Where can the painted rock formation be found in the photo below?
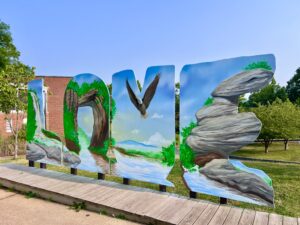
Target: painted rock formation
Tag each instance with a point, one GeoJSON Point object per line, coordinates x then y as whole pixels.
{"type": "Point", "coordinates": [221, 130]}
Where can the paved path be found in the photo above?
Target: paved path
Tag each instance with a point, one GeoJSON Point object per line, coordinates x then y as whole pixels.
{"type": "Point", "coordinates": [16, 209]}
{"type": "Point", "coordinates": [134, 203]}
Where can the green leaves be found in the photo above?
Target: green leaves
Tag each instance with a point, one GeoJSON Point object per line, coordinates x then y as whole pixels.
{"type": "Point", "coordinates": [8, 51]}
{"type": "Point", "coordinates": [279, 120]}
{"type": "Point", "coordinates": [293, 88]}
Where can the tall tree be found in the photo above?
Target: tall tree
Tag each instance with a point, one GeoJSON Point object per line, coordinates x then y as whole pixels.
{"type": "Point", "coordinates": [8, 51]}
{"type": "Point", "coordinates": [14, 77]}
{"type": "Point", "coordinates": [293, 87]}
{"type": "Point", "coordinates": [279, 120]}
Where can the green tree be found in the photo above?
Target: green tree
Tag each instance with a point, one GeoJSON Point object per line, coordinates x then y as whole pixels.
{"type": "Point", "coordinates": [266, 95]}
{"type": "Point", "coordinates": [8, 51]}
{"type": "Point", "coordinates": [293, 87]}
{"type": "Point", "coordinates": [14, 77]}
{"type": "Point", "coordinates": [279, 120]}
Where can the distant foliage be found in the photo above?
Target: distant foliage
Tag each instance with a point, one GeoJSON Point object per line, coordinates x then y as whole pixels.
{"type": "Point", "coordinates": [266, 95]}
{"type": "Point", "coordinates": [293, 88]}
{"type": "Point", "coordinates": [187, 156]}
{"type": "Point", "coordinates": [8, 51]}
{"type": "Point", "coordinates": [279, 120]}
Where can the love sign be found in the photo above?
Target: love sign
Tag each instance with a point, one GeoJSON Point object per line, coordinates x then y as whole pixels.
{"type": "Point", "coordinates": [130, 133]}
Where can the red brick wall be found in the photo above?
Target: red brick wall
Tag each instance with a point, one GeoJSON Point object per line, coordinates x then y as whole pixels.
{"type": "Point", "coordinates": [55, 97]}
{"type": "Point", "coordinates": [56, 89]}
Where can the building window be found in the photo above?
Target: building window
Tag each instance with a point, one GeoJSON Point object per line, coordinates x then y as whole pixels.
{"type": "Point", "coordinates": [8, 126]}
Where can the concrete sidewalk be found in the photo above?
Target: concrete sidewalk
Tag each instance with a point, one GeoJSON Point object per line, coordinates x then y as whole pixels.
{"type": "Point", "coordinates": [16, 209]}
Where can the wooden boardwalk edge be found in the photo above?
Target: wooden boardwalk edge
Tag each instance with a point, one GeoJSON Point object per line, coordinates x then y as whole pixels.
{"type": "Point", "coordinates": [133, 203]}
{"type": "Point", "coordinates": [69, 200]}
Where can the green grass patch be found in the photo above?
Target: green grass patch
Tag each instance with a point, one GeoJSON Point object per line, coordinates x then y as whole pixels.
{"type": "Point", "coordinates": [276, 152]}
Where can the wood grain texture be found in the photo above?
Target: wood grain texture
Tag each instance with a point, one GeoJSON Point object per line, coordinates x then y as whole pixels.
{"type": "Point", "coordinates": [275, 219]}
{"type": "Point", "coordinates": [261, 218]}
{"type": "Point", "coordinates": [234, 216]}
{"type": "Point", "coordinates": [138, 204]}
{"type": "Point", "coordinates": [247, 217]}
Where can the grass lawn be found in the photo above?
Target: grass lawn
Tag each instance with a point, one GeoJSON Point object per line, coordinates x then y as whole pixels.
{"type": "Point", "coordinates": [276, 152]}
{"type": "Point", "coordinates": [286, 182]}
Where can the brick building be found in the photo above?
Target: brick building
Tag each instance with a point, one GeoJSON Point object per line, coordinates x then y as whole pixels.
{"type": "Point", "coordinates": [55, 87]}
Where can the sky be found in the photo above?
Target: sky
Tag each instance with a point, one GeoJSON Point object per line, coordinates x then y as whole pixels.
{"type": "Point", "coordinates": [158, 128]}
{"type": "Point", "coordinates": [198, 81]}
{"type": "Point", "coordinates": [69, 37]}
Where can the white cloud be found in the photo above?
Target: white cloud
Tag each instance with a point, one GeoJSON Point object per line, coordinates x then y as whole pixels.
{"type": "Point", "coordinates": [157, 116]}
{"type": "Point", "coordinates": [158, 140]}
{"type": "Point", "coordinates": [135, 131]}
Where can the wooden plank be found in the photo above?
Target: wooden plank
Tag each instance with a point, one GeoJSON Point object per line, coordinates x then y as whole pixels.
{"type": "Point", "coordinates": [177, 211]}
{"type": "Point", "coordinates": [275, 219]}
{"type": "Point", "coordinates": [12, 174]}
{"type": "Point", "coordinates": [194, 214]}
{"type": "Point", "coordinates": [132, 201]}
{"type": "Point", "coordinates": [234, 216]}
{"type": "Point", "coordinates": [99, 195]}
{"type": "Point", "coordinates": [166, 203]}
{"type": "Point", "coordinates": [247, 217]}
{"type": "Point", "coordinates": [112, 195]}
{"type": "Point", "coordinates": [155, 203]}
{"type": "Point", "coordinates": [207, 215]}
{"type": "Point", "coordinates": [220, 215]}
{"type": "Point", "coordinates": [118, 197]}
{"type": "Point", "coordinates": [289, 220]}
{"type": "Point", "coordinates": [261, 218]}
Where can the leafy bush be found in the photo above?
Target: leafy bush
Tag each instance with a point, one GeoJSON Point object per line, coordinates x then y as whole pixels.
{"type": "Point", "coordinates": [187, 156]}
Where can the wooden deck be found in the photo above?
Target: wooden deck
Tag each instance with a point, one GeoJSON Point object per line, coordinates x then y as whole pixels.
{"type": "Point", "coordinates": [136, 204]}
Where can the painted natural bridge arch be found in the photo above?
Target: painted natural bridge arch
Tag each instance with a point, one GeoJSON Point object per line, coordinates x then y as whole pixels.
{"type": "Point", "coordinates": [87, 90]}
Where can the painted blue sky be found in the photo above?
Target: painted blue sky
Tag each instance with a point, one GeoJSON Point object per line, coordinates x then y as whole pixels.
{"type": "Point", "coordinates": [37, 87]}
{"type": "Point", "coordinates": [197, 81]}
{"type": "Point", "coordinates": [103, 37]}
{"type": "Point", "coordinates": [159, 126]}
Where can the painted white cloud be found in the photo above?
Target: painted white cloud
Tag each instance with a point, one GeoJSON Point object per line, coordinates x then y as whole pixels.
{"type": "Point", "coordinates": [158, 140]}
{"type": "Point", "coordinates": [135, 131]}
{"type": "Point", "coordinates": [157, 116]}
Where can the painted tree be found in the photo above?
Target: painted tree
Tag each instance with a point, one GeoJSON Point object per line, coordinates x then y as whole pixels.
{"type": "Point", "coordinates": [293, 87]}
{"type": "Point", "coordinates": [279, 120]}
{"type": "Point", "coordinates": [14, 76]}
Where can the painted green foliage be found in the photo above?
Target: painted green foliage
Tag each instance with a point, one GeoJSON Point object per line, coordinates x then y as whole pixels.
{"type": "Point", "coordinates": [70, 130]}
{"type": "Point", "coordinates": [166, 156]}
{"type": "Point", "coordinates": [31, 122]}
{"type": "Point", "coordinates": [258, 65]}
{"type": "Point", "coordinates": [186, 153]}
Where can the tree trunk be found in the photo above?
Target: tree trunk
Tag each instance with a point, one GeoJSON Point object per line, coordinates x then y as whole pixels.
{"type": "Point", "coordinates": [267, 143]}
{"type": "Point", "coordinates": [16, 135]}
{"type": "Point", "coordinates": [286, 144]}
